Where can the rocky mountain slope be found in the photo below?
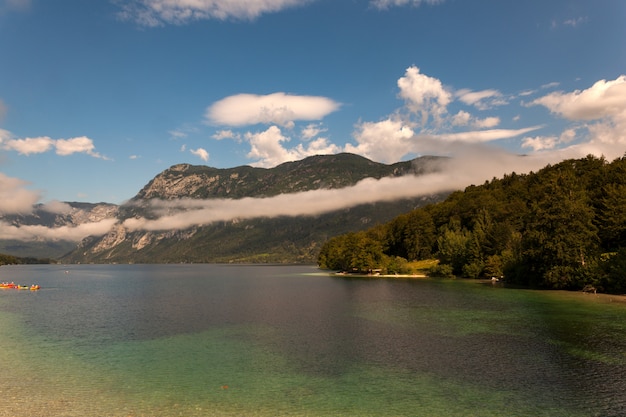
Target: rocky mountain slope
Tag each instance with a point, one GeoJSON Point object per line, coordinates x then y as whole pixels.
{"type": "Point", "coordinates": [70, 214]}
{"type": "Point", "coordinates": [261, 239]}
{"type": "Point", "coordinates": [316, 172]}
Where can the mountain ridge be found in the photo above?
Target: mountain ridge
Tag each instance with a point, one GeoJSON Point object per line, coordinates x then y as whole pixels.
{"type": "Point", "coordinates": [280, 239]}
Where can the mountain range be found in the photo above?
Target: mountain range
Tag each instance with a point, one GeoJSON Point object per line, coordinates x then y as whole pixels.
{"type": "Point", "coordinates": [268, 238]}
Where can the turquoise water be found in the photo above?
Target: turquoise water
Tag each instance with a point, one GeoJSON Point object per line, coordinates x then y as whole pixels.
{"type": "Point", "coordinates": [226, 340]}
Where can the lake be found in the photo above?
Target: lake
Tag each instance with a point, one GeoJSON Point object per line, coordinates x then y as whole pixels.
{"type": "Point", "coordinates": [233, 340]}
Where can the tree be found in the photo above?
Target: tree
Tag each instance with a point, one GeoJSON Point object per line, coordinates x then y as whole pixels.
{"type": "Point", "coordinates": [611, 219]}
{"type": "Point", "coordinates": [352, 252]}
{"type": "Point", "coordinates": [365, 253]}
{"type": "Point", "coordinates": [611, 272]}
{"type": "Point", "coordinates": [559, 235]}
{"type": "Point", "coordinates": [452, 245]}
{"type": "Point", "coordinates": [421, 233]}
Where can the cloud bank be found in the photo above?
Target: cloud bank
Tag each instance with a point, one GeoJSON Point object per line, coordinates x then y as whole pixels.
{"type": "Point", "coordinates": [68, 233]}
{"type": "Point", "coordinates": [477, 164]}
{"type": "Point", "coordinates": [474, 164]}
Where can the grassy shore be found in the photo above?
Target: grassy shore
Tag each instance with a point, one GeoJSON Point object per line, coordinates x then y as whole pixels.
{"type": "Point", "coordinates": [416, 269]}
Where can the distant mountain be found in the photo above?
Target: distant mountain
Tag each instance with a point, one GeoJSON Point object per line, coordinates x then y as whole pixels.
{"type": "Point", "coordinates": [70, 214]}
{"type": "Point", "coordinates": [281, 239]}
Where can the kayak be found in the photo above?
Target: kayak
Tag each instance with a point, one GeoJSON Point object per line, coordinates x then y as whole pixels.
{"type": "Point", "coordinates": [12, 285]}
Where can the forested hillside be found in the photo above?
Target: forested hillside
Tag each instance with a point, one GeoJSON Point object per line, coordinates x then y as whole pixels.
{"type": "Point", "coordinates": [563, 227]}
{"type": "Point", "coordinates": [16, 260]}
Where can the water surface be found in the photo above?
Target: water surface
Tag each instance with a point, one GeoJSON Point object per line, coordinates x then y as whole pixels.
{"type": "Point", "coordinates": [226, 340]}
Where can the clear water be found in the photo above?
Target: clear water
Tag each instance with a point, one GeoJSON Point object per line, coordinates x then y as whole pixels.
{"type": "Point", "coordinates": [226, 340]}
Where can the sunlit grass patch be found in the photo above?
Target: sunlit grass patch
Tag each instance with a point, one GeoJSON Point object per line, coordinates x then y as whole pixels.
{"type": "Point", "coordinates": [422, 267]}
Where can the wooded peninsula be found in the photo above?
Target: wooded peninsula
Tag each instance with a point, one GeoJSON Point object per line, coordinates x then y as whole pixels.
{"type": "Point", "coordinates": [563, 227]}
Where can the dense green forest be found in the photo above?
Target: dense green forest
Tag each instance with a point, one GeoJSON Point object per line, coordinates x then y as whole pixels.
{"type": "Point", "coordinates": [563, 227]}
{"type": "Point", "coordinates": [16, 260]}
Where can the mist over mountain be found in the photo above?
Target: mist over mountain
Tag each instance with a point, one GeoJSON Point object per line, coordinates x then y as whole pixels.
{"type": "Point", "coordinates": [52, 230]}
{"type": "Point", "coordinates": [193, 213]}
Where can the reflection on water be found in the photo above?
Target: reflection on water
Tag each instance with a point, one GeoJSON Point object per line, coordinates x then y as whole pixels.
{"type": "Point", "coordinates": [170, 340]}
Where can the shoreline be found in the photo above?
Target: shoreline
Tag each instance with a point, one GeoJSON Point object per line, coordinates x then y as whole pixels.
{"type": "Point", "coordinates": [352, 274]}
{"type": "Point", "coordinates": [602, 297]}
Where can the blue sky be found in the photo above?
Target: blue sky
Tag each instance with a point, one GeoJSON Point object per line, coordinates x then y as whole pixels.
{"type": "Point", "coordinates": [97, 97]}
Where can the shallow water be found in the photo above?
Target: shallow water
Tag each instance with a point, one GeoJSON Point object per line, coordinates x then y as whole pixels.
{"type": "Point", "coordinates": [226, 340]}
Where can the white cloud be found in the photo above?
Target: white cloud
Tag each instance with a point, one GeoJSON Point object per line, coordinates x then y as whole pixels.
{"type": "Point", "coordinates": [183, 131]}
{"type": "Point", "coordinates": [29, 145]}
{"type": "Point", "coordinates": [385, 141]}
{"type": "Point", "coordinates": [385, 4]}
{"type": "Point", "coordinates": [57, 207]}
{"type": "Point", "coordinates": [399, 136]}
{"type": "Point", "coordinates": [81, 144]}
{"type": "Point", "coordinates": [553, 84]}
{"type": "Point", "coordinates": [482, 100]}
{"type": "Point", "coordinates": [4, 135]}
{"type": "Point", "coordinates": [603, 99]}
{"type": "Point", "coordinates": [277, 108]}
{"type": "Point", "coordinates": [602, 109]}
{"type": "Point", "coordinates": [539, 143]}
{"type": "Point", "coordinates": [472, 97]}
{"type": "Point", "coordinates": [390, 140]}
{"type": "Point", "coordinates": [575, 22]}
{"type": "Point", "coordinates": [267, 148]}
{"type": "Point", "coordinates": [423, 95]}
{"type": "Point", "coordinates": [178, 134]}
{"type": "Point", "coordinates": [312, 130]}
{"type": "Point", "coordinates": [14, 198]}
{"type": "Point", "coordinates": [160, 12]}
{"type": "Point", "coordinates": [200, 153]}
{"type": "Point", "coordinates": [226, 134]}
{"type": "Point", "coordinates": [479, 136]}
{"type": "Point", "coordinates": [319, 146]}
{"type": "Point", "coordinates": [463, 118]}
{"type": "Point", "coordinates": [64, 147]}
{"type": "Point", "coordinates": [487, 122]}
